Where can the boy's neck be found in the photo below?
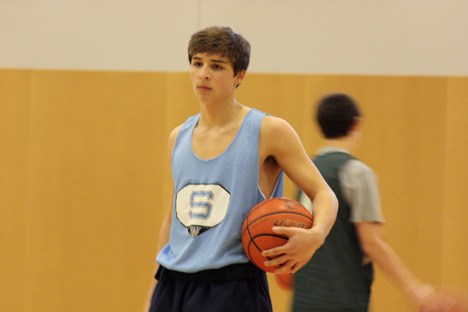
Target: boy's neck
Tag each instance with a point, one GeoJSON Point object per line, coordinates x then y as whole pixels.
{"type": "Point", "coordinates": [219, 115]}
{"type": "Point", "coordinates": [342, 143]}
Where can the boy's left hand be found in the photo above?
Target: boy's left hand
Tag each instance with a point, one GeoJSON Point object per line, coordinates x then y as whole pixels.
{"type": "Point", "coordinates": [301, 245]}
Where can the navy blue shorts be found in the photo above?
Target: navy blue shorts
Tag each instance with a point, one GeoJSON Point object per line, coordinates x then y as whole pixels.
{"type": "Point", "coordinates": [239, 287]}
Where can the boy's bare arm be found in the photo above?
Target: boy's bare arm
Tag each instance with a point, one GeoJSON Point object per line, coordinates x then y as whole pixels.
{"type": "Point", "coordinates": [283, 143]}
{"type": "Point", "coordinates": [162, 241]}
{"type": "Point", "coordinates": [165, 230]}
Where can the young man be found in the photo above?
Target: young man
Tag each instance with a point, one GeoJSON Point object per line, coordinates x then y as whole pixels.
{"type": "Point", "coordinates": [340, 275]}
{"type": "Point", "coordinates": [225, 160]}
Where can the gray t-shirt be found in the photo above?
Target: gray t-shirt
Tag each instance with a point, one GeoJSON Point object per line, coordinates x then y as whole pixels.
{"type": "Point", "coordinates": [359, 187]}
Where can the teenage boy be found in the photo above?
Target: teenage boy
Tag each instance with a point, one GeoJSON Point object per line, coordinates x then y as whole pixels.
{"type": "Point", "coordinates": [225, 160]}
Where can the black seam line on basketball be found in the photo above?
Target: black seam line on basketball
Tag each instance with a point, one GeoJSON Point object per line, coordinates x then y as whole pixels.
{"type": "Point", "coordinates": [252, 241]}
{"type": "Point", "coordinates": [273, 213]}
{"type": "Point", "coordinates": [270, 235]}
{"type": "Point", "coordinates": [250, 257]}
{"type": "Point", "coordinates": [248, 230]}
{"type": "Point", "coordinates": [258, 248]}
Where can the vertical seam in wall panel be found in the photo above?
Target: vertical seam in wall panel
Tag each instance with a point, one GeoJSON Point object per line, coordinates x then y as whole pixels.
{"type": "Point", "coordinates": [27, 200]}
{"type": "Point", "coordinates": [445, 181]}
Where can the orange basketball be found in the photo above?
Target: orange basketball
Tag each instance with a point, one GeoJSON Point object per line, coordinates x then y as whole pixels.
{"type": "Point", "coordinates": [257, 229]}
{"type": "Point", "coordinates": [285, 281]}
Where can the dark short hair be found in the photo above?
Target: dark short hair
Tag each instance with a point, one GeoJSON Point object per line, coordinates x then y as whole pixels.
{"type": "Point", "coordinates": [223, 41]}
{"type": "Point", "coordinates": [336, 113]}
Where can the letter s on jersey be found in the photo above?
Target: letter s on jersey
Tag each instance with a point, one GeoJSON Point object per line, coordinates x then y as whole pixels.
{"type": "Point", "coordinates": [200, 207]}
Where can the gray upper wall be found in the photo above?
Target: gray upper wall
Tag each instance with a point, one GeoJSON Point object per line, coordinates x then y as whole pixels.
{"type": "Point", "coordinates": [381, 37]}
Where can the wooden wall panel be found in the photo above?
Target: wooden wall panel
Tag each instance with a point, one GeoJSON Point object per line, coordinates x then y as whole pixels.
{"type": "Point", "coordinates": [278, 95]}
{"type": "Point", "coordinates": [404, 139]}
{"type": "Point", "coordinates": [85, 176]}
{"type": "Point", "coordinates": [92, 187]}
{"type": "Point", "coordinates": [14, 131]}
{"type": "Point", "coordinates": [455, 213]}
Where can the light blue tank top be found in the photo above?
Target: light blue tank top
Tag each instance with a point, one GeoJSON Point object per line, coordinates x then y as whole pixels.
{"type": "Point", "coordinates": [212, 198]}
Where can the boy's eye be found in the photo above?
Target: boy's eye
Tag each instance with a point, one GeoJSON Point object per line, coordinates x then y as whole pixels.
{"type": "Point", "coordinates": [217, 67]}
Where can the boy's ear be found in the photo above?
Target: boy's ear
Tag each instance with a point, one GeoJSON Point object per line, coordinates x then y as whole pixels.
{"type": "Point", "coordinates": [240, 77]}
{"type": "Point", "coordinates": [357, 123]}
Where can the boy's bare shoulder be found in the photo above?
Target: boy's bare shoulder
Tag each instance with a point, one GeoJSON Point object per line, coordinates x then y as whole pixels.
{"type": "Point", "coordinates": [275, 125]}
{"type": "Point", "coordinates": [173, 135]}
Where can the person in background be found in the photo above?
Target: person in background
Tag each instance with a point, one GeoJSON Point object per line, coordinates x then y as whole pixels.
{"type": "Point", "coordinates": [340, 275]}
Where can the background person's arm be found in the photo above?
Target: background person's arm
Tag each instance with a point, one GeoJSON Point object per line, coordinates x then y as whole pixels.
{"type": "Point", "coordinates": [424, 296]}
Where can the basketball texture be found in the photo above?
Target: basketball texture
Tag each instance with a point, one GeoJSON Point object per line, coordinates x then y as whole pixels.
{"type": "Point", "coordinates": [257, 229]}
{"type": "Point", "coordinates": [285, 281]}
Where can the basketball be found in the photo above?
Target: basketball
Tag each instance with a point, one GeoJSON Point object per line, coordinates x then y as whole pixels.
{"type": "Point", "coordinates": [257, 229]}
{"type": "Point", "coordinates": [285, 281]}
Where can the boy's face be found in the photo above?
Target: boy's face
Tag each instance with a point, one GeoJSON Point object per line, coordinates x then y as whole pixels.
{"type": "Point", "coordinates": [213, 77]}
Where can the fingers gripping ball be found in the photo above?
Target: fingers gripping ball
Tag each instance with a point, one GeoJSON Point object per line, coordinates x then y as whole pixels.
{"type": "Point", "coordinates": [257, 229]}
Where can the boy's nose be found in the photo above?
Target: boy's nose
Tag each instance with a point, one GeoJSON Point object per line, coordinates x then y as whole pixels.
{"type": "Point", "coordinates": [204, 73]}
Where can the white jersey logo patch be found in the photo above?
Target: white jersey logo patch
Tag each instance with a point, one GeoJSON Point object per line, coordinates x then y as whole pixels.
{"type": "Point", "coordinates": [200, 207]}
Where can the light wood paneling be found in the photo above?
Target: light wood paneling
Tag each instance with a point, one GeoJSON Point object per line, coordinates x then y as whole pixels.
{"type": "Point", "coordinates": [92, 189]}
{"type": "Point", "coordinates": [85, 176]}
{"type": "Point", "coordinates": [14, 132]}
{"type": "Point", "coordinates": [279, 96]}
{"type": "Point", "coordinates": [455, 212]}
